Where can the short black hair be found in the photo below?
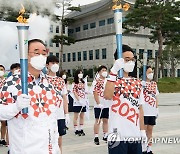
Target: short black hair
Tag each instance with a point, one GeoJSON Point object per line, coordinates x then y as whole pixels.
{"type": "Point", "coordinates": [15, 65]}
{"type": "Point", "coordinates": [35, 40]}
{"type": "Point", "coordinates": [148, 67]}
{"type": "Point", "coordinates": [2, 67]}
{"type": "Point", "coordinates": [52, 58]}
{"type": "Point", "coordinates": [124, 49]}
{"type": "Point", "coordinates": [101, 67]}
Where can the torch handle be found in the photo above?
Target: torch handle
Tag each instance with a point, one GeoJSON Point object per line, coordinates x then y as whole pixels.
{"type": "Point", "coordinates": [24, 82]}
{"type": "Point", "coordinates": [144, 65]}
{"type": "Point", "coordinates": [118, 28]}
{"type": "Point", "coordinates": [23, 49]}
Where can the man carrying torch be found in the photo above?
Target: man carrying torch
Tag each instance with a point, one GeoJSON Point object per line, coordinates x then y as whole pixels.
{"type": "Point", "coordinates": [126, 123]}
{"type": "Point", "coordinates": [35, 131]}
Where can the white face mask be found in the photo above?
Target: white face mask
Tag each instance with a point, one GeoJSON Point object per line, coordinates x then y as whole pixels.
{"type": "Point", "coordinates": [54, 68]}
{"type": "Point", "coordinates": [104, 74]}
{"type": "Point", "coordinates": [150, 76]}
{"type": "Point", "coordinates": [1, 73]}
{"type": "Point", "coordinates": [16, 71]}
{"type": "Point", "coordinates": [38, 62]}
{"type": "Point", "coordinates": [80, 75]}
{"type": "Point", "coordinates": [129, 66]}
{"type": "Point", "coordinates": [64, 76]}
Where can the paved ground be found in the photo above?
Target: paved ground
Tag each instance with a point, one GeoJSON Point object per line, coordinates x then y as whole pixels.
{"type": "Point", "coordinates": [168, 125]}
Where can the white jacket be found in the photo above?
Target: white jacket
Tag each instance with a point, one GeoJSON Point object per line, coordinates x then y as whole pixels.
{"type": "Point", "coordinates": [37, 133]}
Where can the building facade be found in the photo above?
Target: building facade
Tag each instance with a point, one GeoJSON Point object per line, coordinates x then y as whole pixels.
{"type": "Point", "coordinates": [94, 31]}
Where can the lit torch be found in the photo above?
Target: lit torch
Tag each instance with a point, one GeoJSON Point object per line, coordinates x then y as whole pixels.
{"type": "Point", "coordinates": [118, 8]}
{"type": "Point", "coordinates": [23, 48]}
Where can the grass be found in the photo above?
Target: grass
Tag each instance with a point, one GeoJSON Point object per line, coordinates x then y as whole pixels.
{"type": "Point", "coordinates": [169, 85]}
{"type": "Point", "coordinates": [165, 85]}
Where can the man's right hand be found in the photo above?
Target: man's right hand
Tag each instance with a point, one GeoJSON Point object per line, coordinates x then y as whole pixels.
{"type": "Point", "coordinates": [119, 64]}
{"type": "Point", "coordinates": [23, 101]}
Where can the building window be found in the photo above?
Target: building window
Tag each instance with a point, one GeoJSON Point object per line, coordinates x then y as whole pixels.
{"type": "Point", "coordinates": [50, 43]}
{"type": "Point", "coordinates": [90, 54]}
{"type": "Point", "coordinates": [78, 29]}
{"type": "Point", "coordinates": [141, 51]}
{"type": "Point", "coordinates": [51, 53]}
{"type": "Point", "coordinates": [84, 55]}
{"type": "Point", "coordinates": [74, 56]}
{"type": "Point", "coordinates": [51, 29]}
{"type": "Point", "coordinates": [44, 43]}
{"type": "Point", "coordinates": [85, 27]}
{"type": "Point", "coordinates": [149, 52]}
{"type": "Point", "coordinates": [73, 72]}
{"type": "Point", "coordinates": [85, 72]}
{"type": "Point", "coordinates": [69, 57]}
{"type": "Point", "coordinates": [97, 53]}
{"type": "Point", "coordinates": [104, 53]}
{"type": "Point", "coordinates": [57, 29]}
{"type": "Point", "coordinates": [57, 45]}
{"type": "Point", "coordinates": [165, 72]}
{"type": "Point", "coordinates": [79, 56]}
{"type": "Point", "coordinates": [134, 51]}
{"type": "Point", "coordinates": [70, 31]}
{"type": "Point", "coordinates": [90, 73]}
{"type": "Point", "coordinates": [110, 20]}
{"type": "Point", "coordinates": [92, 25]}
{"type": "Point", "coordinates": [64, 57]}
{"type": "Point", "coordinates": [156, 53]}
{"type": "Point", "coordinates": [102, 23]}
{"type": "Point", "coordinates": [57, 55]}
{"type": "Point", "coordinates": [69, 72]}
{"type": "Point", "coordinates": [178, 72]}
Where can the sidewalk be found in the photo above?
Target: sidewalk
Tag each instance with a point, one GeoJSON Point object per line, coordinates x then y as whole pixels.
{"type": "Point", "coordinates": [168, 125]}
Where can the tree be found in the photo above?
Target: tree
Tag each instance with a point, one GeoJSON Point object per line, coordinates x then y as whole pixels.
{"type": "Point", "coordinates": [171, 57]}
{"type": "Point", "coordinates": [62, 39]}
{"type": "Point", "coordinates": [158, 16]}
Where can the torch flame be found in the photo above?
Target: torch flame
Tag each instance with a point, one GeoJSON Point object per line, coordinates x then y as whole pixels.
{"type": "Point", "coordinates": [20, 18]}
{"type": "Point", "coordinates": [126, 7]}
{"type": "Point", "coordinates": [118, 5]}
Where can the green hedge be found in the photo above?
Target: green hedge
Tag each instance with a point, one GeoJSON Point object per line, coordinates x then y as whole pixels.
{"type": "Point", "coordinates": [169, 85]}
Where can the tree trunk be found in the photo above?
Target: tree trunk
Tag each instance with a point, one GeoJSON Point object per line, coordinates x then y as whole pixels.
{"type": "Point", "coordinates": [156, 69]}
{"type": "Point", "coordinates": [162, 67]}
{"type": "Point", "coordinates": [172, 63]}
{"type": "Point", "coordinates": [159, 55]}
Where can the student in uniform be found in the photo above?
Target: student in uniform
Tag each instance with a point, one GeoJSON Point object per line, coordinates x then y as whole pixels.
{"type": "Point", "coordinates": [150, 106]}
{"type": "Point", "coordinates": [79, 104]}
{"type": "Point", "coordinates": [101, 106]}
{"type": "Point", "coordinates": [126, 121]}
{"type": "Point", "coordinates": [52, 65]}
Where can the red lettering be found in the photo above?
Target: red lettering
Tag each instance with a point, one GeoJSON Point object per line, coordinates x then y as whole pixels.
{"type": "Point", "coordinates": [125, 110]}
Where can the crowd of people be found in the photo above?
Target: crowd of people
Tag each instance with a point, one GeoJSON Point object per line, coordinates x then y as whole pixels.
{"type": "Point", "coordinates": [127, 107]}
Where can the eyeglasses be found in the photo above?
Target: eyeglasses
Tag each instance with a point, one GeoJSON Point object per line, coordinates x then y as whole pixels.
{"type": "Point", "coordinates": [37, 53]}
{"type": "Point", "coordinates": [127, 59]}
